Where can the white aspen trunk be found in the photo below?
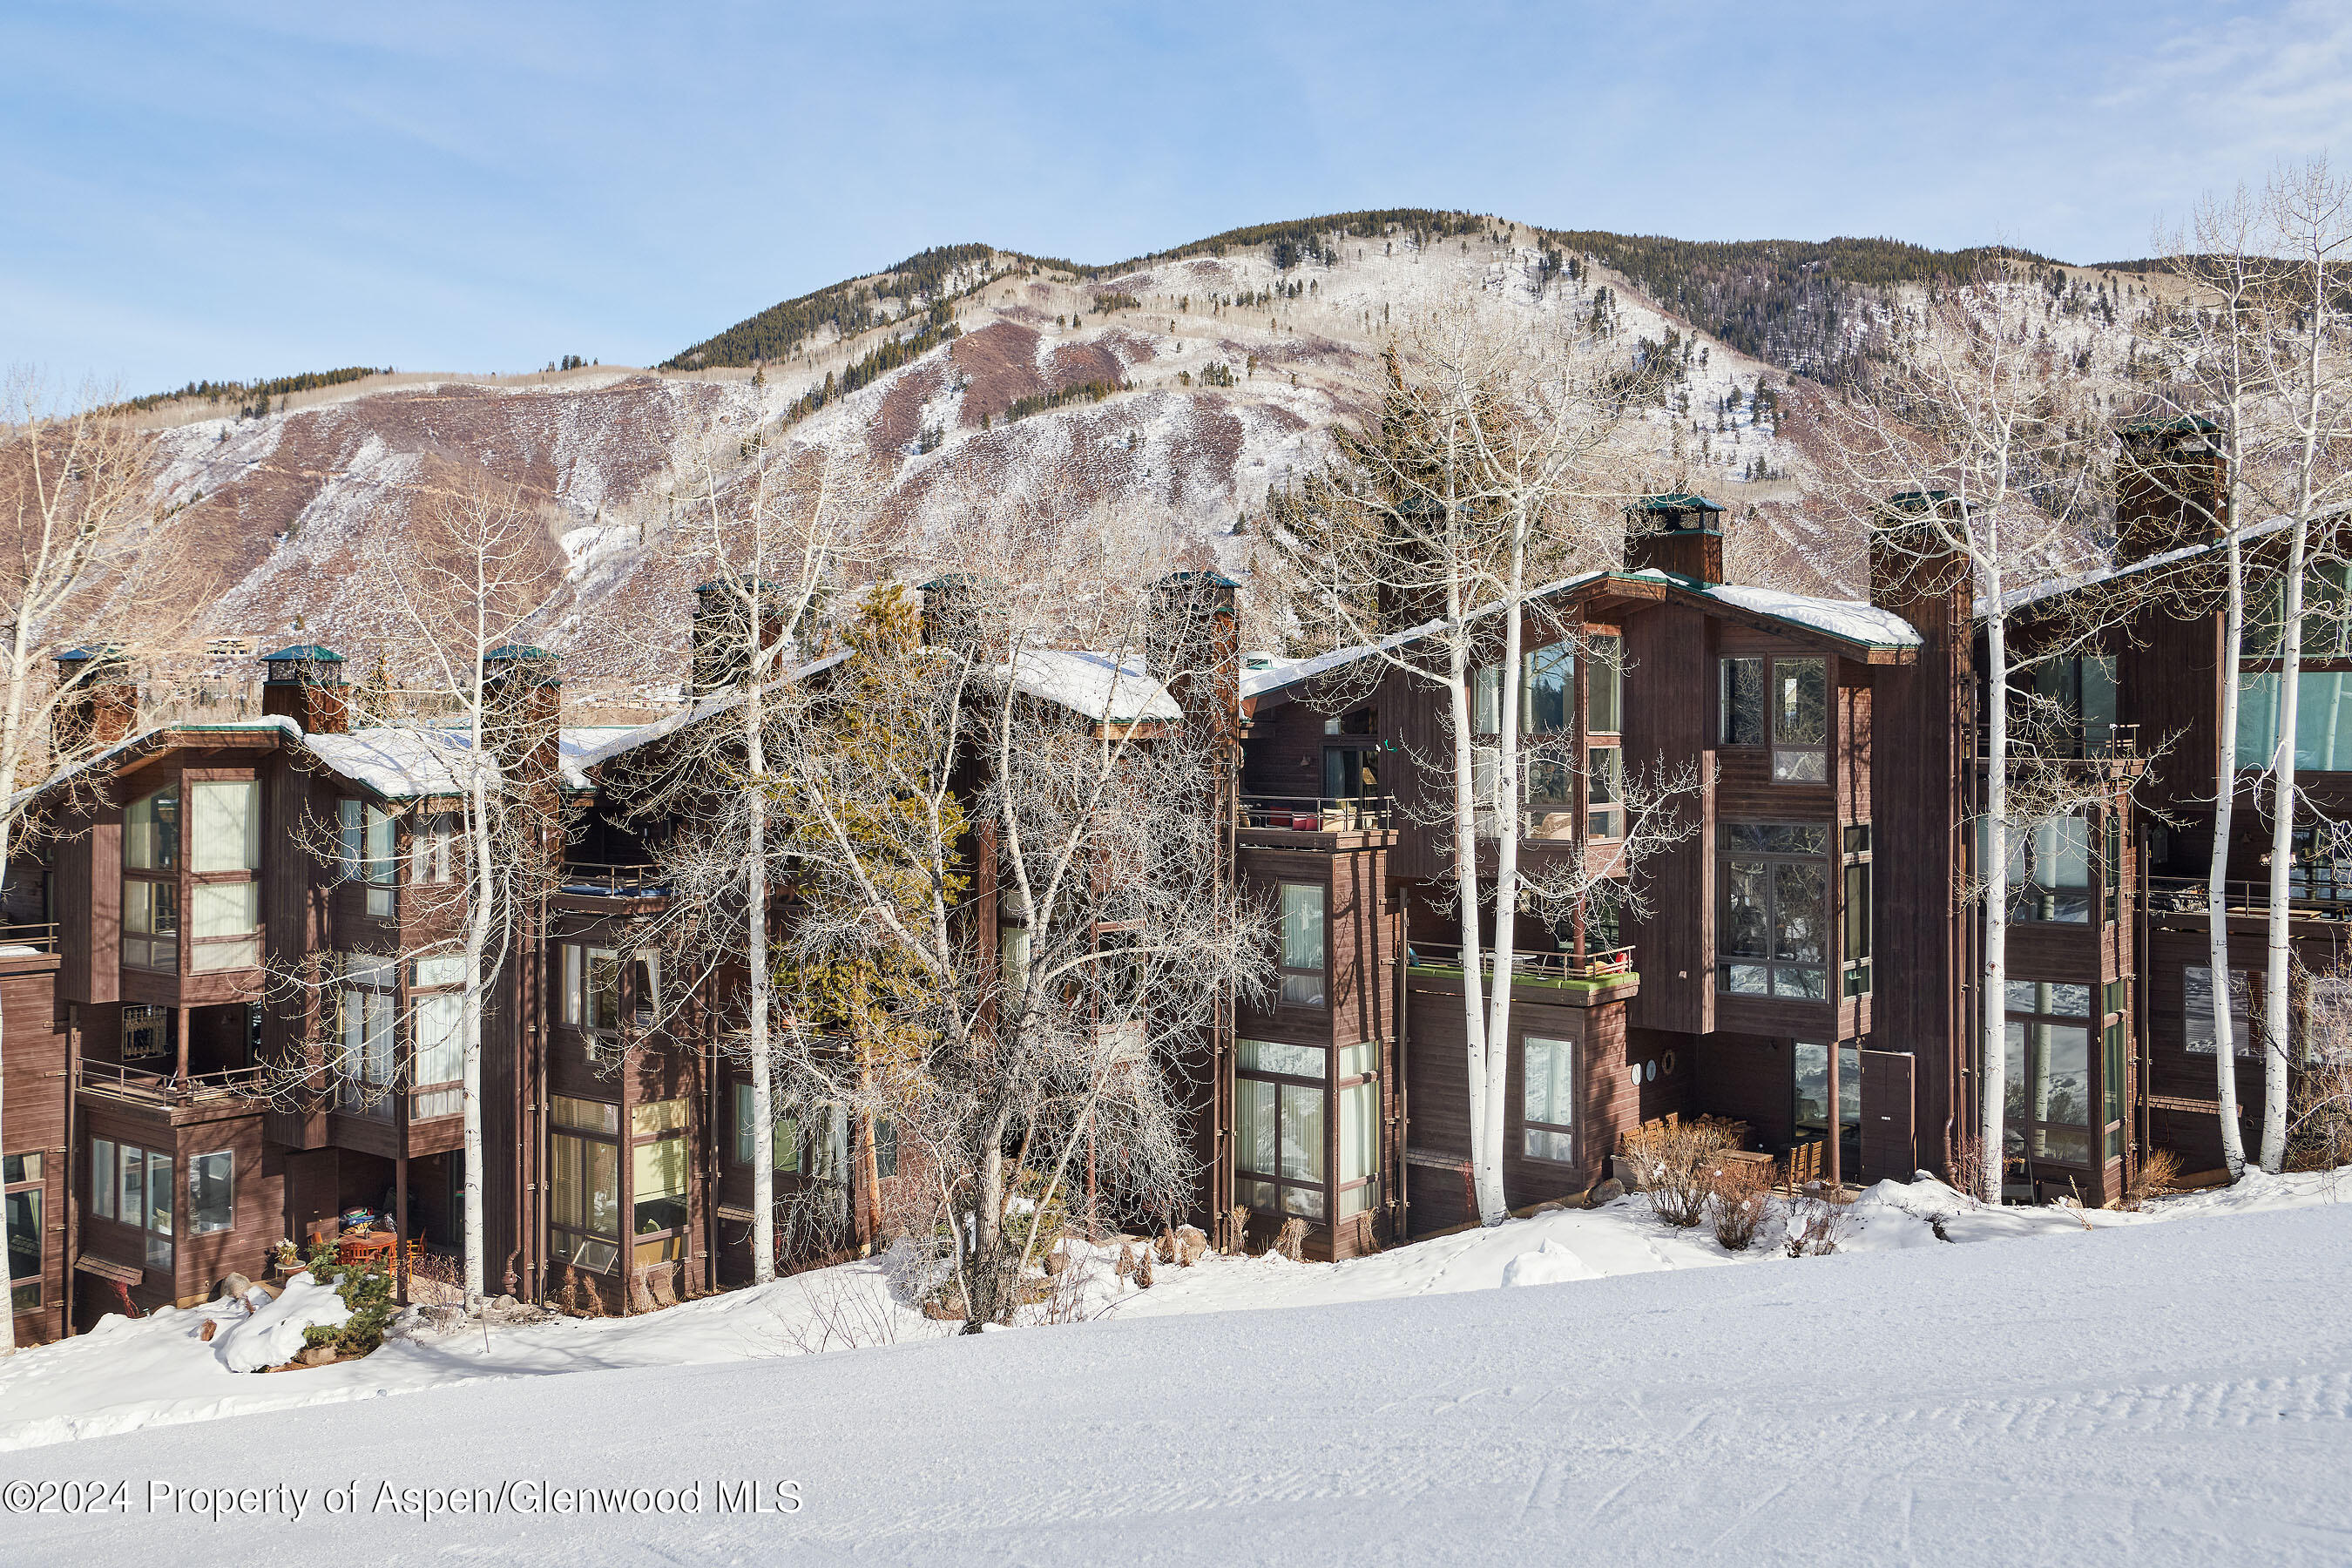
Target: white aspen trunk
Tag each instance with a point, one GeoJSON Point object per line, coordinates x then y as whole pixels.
{"type": "Point", "coordinates": [12, 732]}
{"type": "Point", "coordinates": [2277, 949]}
{"type": "Point", "coordinates": [1992, 1087]}
{"type": "Point", "coordinates": [2217, 914]}
{"type": "Point", "coordinates": [1494, 1203]}
{"type": "Point", "coordinates": [479, 914]}
{"type": "Point", "coordinates": [1465, 892]}
{"type": "Point", "coordinates": [755, 959]}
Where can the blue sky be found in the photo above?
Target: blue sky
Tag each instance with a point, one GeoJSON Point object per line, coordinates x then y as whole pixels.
{"type": "Point", "coordinates": [242, 190]}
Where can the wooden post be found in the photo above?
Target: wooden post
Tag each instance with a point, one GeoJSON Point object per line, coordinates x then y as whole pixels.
{"type": "Point", "coordinates": [182, 1063]}
{"type": "Point", "coordinates": [1837, 1126]}
{"type": "Point", "coordinates": [400, 1218]}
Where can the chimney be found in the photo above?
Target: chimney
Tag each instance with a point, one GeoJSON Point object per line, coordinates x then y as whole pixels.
{"type": "Point", "coordinates": [1674, 532]}
{"type": "Point", "coordinates": [965, 612]}
{"type": "Point", "coordinates": [2172, 487]}
{"type": "Point", "coordinates": [1909, 560]}
{"type": "Point", "coordinates": [305, 683]}
{"type": "Point", "coordinates": [100, 705]}
{"type": "Point", "coordinates": [523, 692]}
{"type": "Point", "coordinates": [1193, 645]}
{"type": "Point", "coordinates": [722, 639]}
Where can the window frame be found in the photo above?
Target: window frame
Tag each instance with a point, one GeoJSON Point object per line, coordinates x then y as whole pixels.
{"type": "Point", "coordinates": [1788, 756]}
{"type": "Point", "coordinates": [1294, 978]}
{"type": "Point", "coordinates": [1270, 1191]}
{"type": "Point", "coordinates": [195, 1162]}
{"type": "Point", "coordinates": [665, 1243]}
{"type": "Point", "coordinates": [160, 1251]}
{"type": "Point", "coordinates": [368, 836]}
{"type": "Point", "coordinates": [2029, 1136]}
{"type": "Point", "coordinates": [27, 1292]}
{"type": "Point", "coordinates": [1770, 860]}
{"type": "Point", "coordinates": [1531, 1130]}
{"type": "Point", "coordinates": [1857, 920]}
{"type": "Point", "coordinates": [161, 875]}
{"type": "Point", "coordinates": [578, 1244]}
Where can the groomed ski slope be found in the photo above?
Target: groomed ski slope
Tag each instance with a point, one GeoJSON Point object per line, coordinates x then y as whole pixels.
{"type": "Point", "coordinates": [2173, 1393]}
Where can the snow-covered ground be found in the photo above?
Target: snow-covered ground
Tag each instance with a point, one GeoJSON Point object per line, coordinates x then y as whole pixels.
{"type": "Point", "coordinates": [2156, 1389]}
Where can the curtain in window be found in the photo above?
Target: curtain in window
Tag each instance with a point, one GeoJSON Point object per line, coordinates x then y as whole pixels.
{"type": "Point", "coordinates": [2323, 721]}
{"type": "Point", "coordinates": [1254, 1129]}
{"type": "Point", "coordinates": [226, 819]}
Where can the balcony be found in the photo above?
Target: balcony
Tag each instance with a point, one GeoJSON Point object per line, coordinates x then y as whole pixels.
{"type": "Point", "coordinates": [1601, 974]}
{"type": "Point", "coordinates": [2314, 894]}
{"type": "Point", "coordinates": [599, 879]}
{"type": "Point", "coordinates": [1284, 814]}
{"type": "Point", "coordinates": [166, 1092]}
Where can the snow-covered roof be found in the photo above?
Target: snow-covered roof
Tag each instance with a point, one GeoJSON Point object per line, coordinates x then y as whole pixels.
{"type": "Point", "coordinates": [401, 763]}
{"type": "Point", "coordinates": [602, 745]}
{"type": "Point", "coordinates": [1849, 620]}
{"type": "Point", "coordinates": [1106, 690]}
{"type": "Point", "coordinates": [2056, 587]}
{"type": "Point", "coordinates": [98, 760]}
{"type": "Point", "coordinates": [1281, 672]}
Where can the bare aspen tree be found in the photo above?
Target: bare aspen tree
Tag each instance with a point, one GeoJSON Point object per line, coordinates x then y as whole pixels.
{"type": "Point", "coordinates": [465, 589]}
{"type": "Point", "coordinates": [992, 751]}
{"type": "Point", "coordinates": [776, 529]}
{"type": "Point", "coordinates": [78, 541]}
{"type": "Point", "coordinates": [1978, 421]}
{"type": "Point", "coordinates": [2310, 219]}
{"type": "Point", "coordinates": [1492, 471]}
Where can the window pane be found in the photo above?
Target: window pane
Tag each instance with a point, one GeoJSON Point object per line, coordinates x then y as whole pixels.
{"type": "Point", "coordinates": [1550, 1086]}
{"type": "Point", "coordinates": [225, 908]}
{"type": "Point", "coordinates": [101, 1178]}
{"type": "Point", "coordinates": [1801, 713]}
{"type": "Point", "coordinates": [16, 1168]}
{"type": "Point", "coordinates": [1811, 1060]}
{"type": "Point", "coordinates": [1254, 1118]}
{"type": "Point", "coordinates": [440, 1022]}
{"type": "Point", "coordinates": [1848, 1086]}
{"type": "Point", "coordinates": [1857, 912]}
{"type": "Point", "coordinates": [1259, 1195]}
{"type": "Point", "coordinates": [2014, 1096]}
{"type": "Point", "coordinates": [1306, 1201]}
{"type": "Point", "coordinates": [591, 1115]}
{"type": "Point", "coordinates": [1743, 702]}
{"type": "Point", "coordinates": [1804, 983]}
{"type": "Point", "coordinates": [24, 1233]}
{"type": "Point", "coordinates": [1548, 687]}
{"type": "Point", "coordinates": [1799, 767]}
{"type": "Point", "coordinates": [159, 1192]}
{"type": "Point", "coordinates": [442, 969]}
{"type": "Point", "coordinates": [211, 1206]}
{"type": "Point", "coordinates": [649, 1119]}
{"type": "Point", "coordinates": [151, 831]}
{"type": "Point", "coordinates": [1359, 1058]}
{"type": "Point", "coordinates": [380, 867]}
{"type": "Point", "coordinates": [1359, 1131]}
{"type": "Point", "coordinates": [1747, 927]}
{"type": "Point", "coordinates": [2114, 1072]}
{"type": "Point", "coordinates": [658, 1171]}
{"type": "Point", "coordinates": [216, 955]}
{"type": "Point", "coordinates": [1302, 1132]}
{"type": "Point", "coordinates": [571, 982]}
{"type": "Point", "coordinates": [1302, 926]}
{"type": "Point", "coordinates": [1743, 979]}
{"type": "Point", "coordinates": [2062, 1082]}
{"type": "Point", "coordinates": [1266, 1055]}
{"type": "Point", "coordinates": [1798, 909]}
{"type": "Point", "coordinates": [604, 996]}
{"type": "Point", "coordinates": [133, 1208]}
{"type": "Point", "coordinates": [1545, 1144]}
{"type": "Point", "coordinates": [227, 819]}
{"type": "Point", "coordinates": [1486, 700]}
{"type": "Point", "coordinates": [1602, 682]}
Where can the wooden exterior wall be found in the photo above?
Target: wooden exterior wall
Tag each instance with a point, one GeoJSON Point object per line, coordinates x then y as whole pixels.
{"type": "Point", "coordinates": [38, 1091]}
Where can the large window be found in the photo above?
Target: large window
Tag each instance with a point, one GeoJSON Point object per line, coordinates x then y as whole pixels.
{"type": "Point", "coordinates": [369, 856]}
{"type": "Point", "coordinates": [1303, 952]}
{"type": "Point", "coordinates": [434, 851]}
{"type": "Point", "coordinates": [1550, 1098]}
{"type": "Point", "coordinates": [439, 1022]}
{"type": "Point", "coordinates": [2197, 1009]}
{"type": "Point", "coordinates": [225, 896]}
{"type": "Point", "coordinates": [1784, 702]}
{"type": "Point", "coordinates": [604, 987]}
{"type": "Point", "coordinates": [132, 1186]}
{"type": "Point", "coordinates": [1604, 679]}
{"type": "Point", "coordinates": [2323, 721]}
{"type": "Point", "coordinates": [1358, 1092]}
{"type": "Point", "coordinates": [2075, 713]}
{"type": "Point", "coordinates": [1548, 692]}
{"type": "Point", "coordinates": [150, 881]}
{"type": "Point", "coordinates": [657, 1181]}
{"type": "Point", "coordinates": [584, 1211]}
{"type": "Point", "coordinates": [22, 1175]}
{"type": "Point", "coordinates": [212, 1193]}
{"type": "Point", "coordinates": [1278, 1107]}
{"type": "Point", "coordinates": [2049, 869]}
{"type": "Point", "coordinates": [1773, 937]}
{"type": "Point", "coordinates": [2046, 1109]}
{"type": "Point", "coordinates": [787, 1134]}
{"type": "Point", "coordinates": [367, 1007]}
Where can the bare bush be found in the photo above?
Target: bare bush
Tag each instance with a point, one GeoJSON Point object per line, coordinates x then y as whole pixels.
{"type": "Point", "coordinates": [1965, 1168]}
{"type": "Point", "coordinates": [1292, 1240]}
{"type": "Point", "coordinates": [1817, 1221]}
{"type": "Point", "coordinates": [1740, 1193]}
{"type": "Point", "coordinates": [1676, 1161]}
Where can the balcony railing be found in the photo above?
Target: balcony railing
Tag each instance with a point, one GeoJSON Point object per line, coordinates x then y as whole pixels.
{"type": "Point", "coordinates": [1316, 813]}
{"type": "Point", "coordinates": [1528, 966]}
{"type": "Point", "coordinates": [2319, 894]}
{"type": "Point", "coordinates": [137, 1086]}
{"type": "Point", "coordinates": [22, 941]}
{"type": "Point", "coordinates": [598, 879]}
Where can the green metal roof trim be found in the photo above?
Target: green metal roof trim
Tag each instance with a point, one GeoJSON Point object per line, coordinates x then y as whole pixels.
{"type": "Point", "coordinates": [2178, 424]}
{"type": "Point", "coordinates": [306, 653]}
{"type": "Point", "coordinates": [1674, 501]}
{"type": "Point", "coordinates": [516, 650]}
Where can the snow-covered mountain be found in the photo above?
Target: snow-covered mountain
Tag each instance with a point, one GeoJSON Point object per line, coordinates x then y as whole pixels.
{"type": "Point", "coordinates": [1180, 389]}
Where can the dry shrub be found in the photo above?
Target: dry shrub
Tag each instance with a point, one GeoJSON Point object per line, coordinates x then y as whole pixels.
{"type": "Point", "coordinates": [1291, 1241]}
{"type": "Point", "coordinates": [1676, 1161]}
{"type": "Point", "coordinates": [1817, 1221]}
{"type": "Point", "coordinates": [1966, 1170]}
{"type": "Point", "coordinates": [1740, 1190]}
{"type": "Point", "coordinates": [2319, 1110]}
{"type": "Point", "coordinates": [2158, 1173]}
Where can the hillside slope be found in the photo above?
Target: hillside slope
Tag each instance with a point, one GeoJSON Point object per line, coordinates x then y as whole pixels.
{"type": "Point", "coordinates": [1172, 394]}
